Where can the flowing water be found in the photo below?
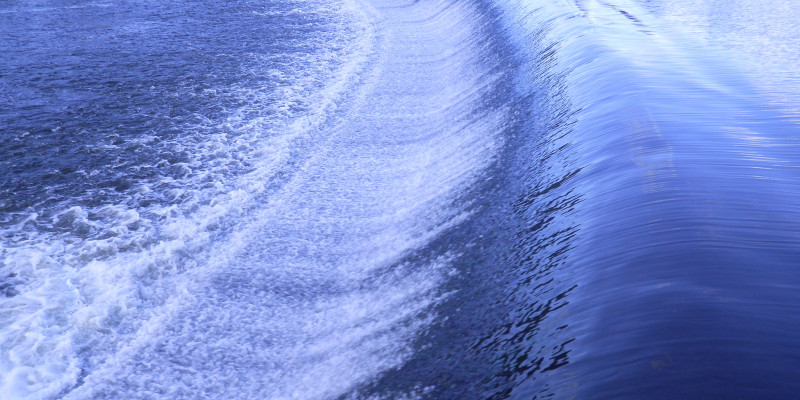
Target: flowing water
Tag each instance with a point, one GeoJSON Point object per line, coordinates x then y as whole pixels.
{"type": "Point", "coordinates": [398, 199]}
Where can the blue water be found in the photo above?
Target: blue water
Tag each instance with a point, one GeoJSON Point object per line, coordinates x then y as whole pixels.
{"type": "Point", "coordinates": [397, 199]}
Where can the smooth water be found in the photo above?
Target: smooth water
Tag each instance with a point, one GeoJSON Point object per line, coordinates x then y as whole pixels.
{"type": "Point", "coordinates": [519, 199]}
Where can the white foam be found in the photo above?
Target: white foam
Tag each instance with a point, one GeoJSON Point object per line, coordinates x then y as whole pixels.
{"type": "Point", "coordinates": [312, 298]}
{"type": "Point", "coordinates": [241, 288]}
{"type": "Point", "coordinates": [91, 283]}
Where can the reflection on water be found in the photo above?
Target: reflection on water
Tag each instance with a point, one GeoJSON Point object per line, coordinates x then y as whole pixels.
{"type": "Point", "coordinates": [761, 36]}
{"type": "Point", "coordinates": [689, 222]}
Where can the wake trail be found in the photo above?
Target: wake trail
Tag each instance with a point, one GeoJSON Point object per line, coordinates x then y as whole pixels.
{"type": "Point", "coordinates": [320, 293]}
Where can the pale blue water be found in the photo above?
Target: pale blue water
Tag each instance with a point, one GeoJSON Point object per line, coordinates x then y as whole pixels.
{"type": "Point", "coordinates": [397, 199]}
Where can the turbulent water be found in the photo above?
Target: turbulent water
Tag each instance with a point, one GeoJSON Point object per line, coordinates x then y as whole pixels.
{"type": "Point", "coordinates": [397, 199]}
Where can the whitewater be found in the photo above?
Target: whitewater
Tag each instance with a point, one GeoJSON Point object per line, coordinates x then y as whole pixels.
{"type": "Point", "coordinates": [397, 199]}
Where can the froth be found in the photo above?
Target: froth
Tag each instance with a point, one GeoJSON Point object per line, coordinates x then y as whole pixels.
{"type": "Point", "coordinates": [81, 279]}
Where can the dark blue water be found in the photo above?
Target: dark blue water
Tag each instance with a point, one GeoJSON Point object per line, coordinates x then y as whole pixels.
{"type": "Point", "coordinates": [389, 199]}
{"type": "Point", "coordinates": [653, 252]}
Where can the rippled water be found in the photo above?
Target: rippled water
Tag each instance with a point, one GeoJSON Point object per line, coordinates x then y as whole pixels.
{"type": "Point", "coordinates": [400, 199]}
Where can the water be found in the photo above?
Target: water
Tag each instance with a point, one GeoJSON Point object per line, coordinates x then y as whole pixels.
{"type": "Point", "coordinates": [399, 199]}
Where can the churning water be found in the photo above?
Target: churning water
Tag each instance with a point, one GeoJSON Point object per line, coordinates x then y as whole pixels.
{"type": "Point", "coordinates": [388, 199]}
